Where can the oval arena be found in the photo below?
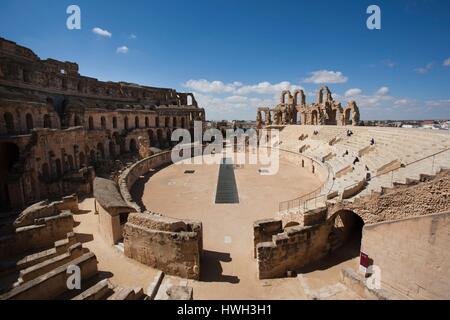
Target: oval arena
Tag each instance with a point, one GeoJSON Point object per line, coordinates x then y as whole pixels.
{"type": "Point", "coordinates": [88, 181]}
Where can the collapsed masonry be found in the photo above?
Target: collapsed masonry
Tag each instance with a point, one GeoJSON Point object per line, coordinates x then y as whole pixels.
{"type": "Point", "coordinates": [293, 109]}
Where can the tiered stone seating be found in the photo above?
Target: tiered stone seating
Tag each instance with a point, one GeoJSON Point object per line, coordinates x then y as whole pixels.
{"type": "Point", "coordinates": [397, 157]}
{"type": "Point", "coordinates": [39, 253]}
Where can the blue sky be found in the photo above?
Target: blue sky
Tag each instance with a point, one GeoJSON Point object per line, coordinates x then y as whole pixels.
{"type": "Point", "coordinates": [237, 55]}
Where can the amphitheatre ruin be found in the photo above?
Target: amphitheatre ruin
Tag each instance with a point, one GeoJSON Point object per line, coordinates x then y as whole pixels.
{"type": "Point", "coordinates": [88, 183]}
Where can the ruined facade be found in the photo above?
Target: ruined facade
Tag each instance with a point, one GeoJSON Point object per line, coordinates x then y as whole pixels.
{"type": "Point", "coordinates": [56, 125]}
{"type": "Point", "coordinates": [293, 109]}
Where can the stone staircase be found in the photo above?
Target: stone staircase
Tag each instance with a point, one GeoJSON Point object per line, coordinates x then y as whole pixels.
{"type": "Point", "coordinates": [38, 268]}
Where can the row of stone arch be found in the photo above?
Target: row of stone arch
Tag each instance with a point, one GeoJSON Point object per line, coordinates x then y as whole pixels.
{"type": "Point", "coordinates": [168, 122]}
{"type": "Point", "coordinates": [10, 124]}
{"type": "Point", "coordinates": [323, 95]}
{"type": "Point", "coordinates": [294, 110]}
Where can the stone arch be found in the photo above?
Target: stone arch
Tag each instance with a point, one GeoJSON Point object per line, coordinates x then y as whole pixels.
{"type": "Point", "coordinates": [157, 121]}
{"type": "Point", "coordinates": [183, 122]}
{"type": "Point", "coordinates": [92, 156]}
{"type": "Point", "coordinates": [174, 122]}
{"type": "Point", "coordinates": [112, 149]}
{"type": "Point", "coordinates": [332, 116]}
{"type": "Point", "coordinates": [82, 158]}
{"type": "Point", "coordinates": [302, 98]}
{"type": "Point", "coordinates": [151, 137]}
{"type": "Point", "coordinates": [71, 162]}
{"type": "Point", "coordinates": [76, 121]}
{"type": "Point", "coordinates": [347, 116]}
{"type": "Point", "coordinates": [133, 146]}
{"type": "Point", "coordinates": [114, 122]}
{"type": "Point", "coordinates": [136, 122]}
{"type": "Point", "coordinates": [58, 168]}
{"type": "Point", "coordinates": [159, 135]}
{"type": "Point", "coordinates": [320, 95]}
{"type": "Point", "coordinates": [91, 123]}
{"type": "Point", "coordinates": [190, 100]}
{"type": "Point", "coordinates": [45, 171]}
{"type": "Point", "coordinates": [125, 123]}
{"type": "Point", "coordinates": [47, 121]}
{"type": "Point", "coordinates": [169, 137]}
{"type": "Point", "coordinates": [351, 114]}
{"type": "Point", "coordinates": [147, 122]}
{"type": "Point", "coordinates": [103, 122]}
{"type": "Point", "coordinates": [29, 122]}
{"type": "Point", "coordinates": [283, 96]}
{"type": "Point", "coordinates": [166, 122]}
{"type": "Point", "coordinates": [101, 151]}
{"type": "Point", "coordinates": [10, 155]}
{"type": "Point", "coordinates": [315, 117]}
{"type": "Point", "coordinates": [9, 122]}
{"type": "Point", "coordinates": [346, 228]}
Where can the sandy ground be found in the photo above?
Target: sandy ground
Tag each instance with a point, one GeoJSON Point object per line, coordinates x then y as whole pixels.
{"type": "Point", "coordinates": [228, 267]}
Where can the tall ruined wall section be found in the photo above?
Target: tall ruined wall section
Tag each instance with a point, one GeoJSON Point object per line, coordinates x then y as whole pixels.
{"type": "Point", "coordinates": [424, 198]}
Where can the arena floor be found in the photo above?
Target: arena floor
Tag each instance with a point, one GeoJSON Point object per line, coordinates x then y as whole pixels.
{"type": "Point", "coordinates": [228, 268]}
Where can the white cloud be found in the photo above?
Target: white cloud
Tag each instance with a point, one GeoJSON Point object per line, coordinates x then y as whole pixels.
{"type": "Point", "coordinates": [325, 76]}
{"type": "Point", "coordinates": [379, 99]}
{"type": "Point", "coordinates": [101, 32]}
{"type": "Point", "coordinates": [133, 36]}
{"type": "Point", "coordinates": [122, 50]}
{"type": "Point", "coordinates": [438, 103]}
{"type": "Point", "coordinates": [353, 92]}
{"type": "Point", "coordinates": [404, 102]}
{"type": "Point", "coordinates": [268, 88]}
{"type": "Point", "coordinates": [239, 88]}
{"type": "Point", "coordinates": [447, 62]}
{"type": "Point", "coordinates": [382, 91]}
{"type": "Point", "coordinates": [206, 86]}
{"type": "Point", "coordinates": [426, 69]}
{"type": "Point", "coordinates": [389, 63]}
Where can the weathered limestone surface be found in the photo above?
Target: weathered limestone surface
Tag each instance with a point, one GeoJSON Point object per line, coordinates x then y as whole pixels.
{"type": "Point", "coordinates": [59, 127]}
{"type": "Point", "coordinates": [293, 109]}
{"type": "Point", "coordinates": [412, 254]}
{"type": "Point", "coordinates": [40, 235]}
{"type": "Point", "coordinates": [164, 243]}
{"type": "Point", "coordinates": [404, 201]}
{"type": "Point", "coordinates": [295, 247]}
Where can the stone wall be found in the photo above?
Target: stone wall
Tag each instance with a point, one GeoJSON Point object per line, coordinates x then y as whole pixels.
{"type": "Point", "coordinates": [40, 235]}
{"type": "Point", "coordinates": [171, 245]}
{"type": "Point", "coordinates": [413, 255]}
{"type": "Point", "coordinates": [57, 126]}
{"type": "Point", "coordinates": [129, 177]}
{"type": "Point", "coordinates": [293, 248]}
{"type": "Point", "coordinates": [430, 196]}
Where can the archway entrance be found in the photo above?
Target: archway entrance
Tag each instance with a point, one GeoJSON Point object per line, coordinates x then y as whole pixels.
{"type": "Point", "coordinates": [314, 117]}
{"type": "Point", "coordinates": [9, 156]}
{"type": "Point", "coordinates": [348, 116]}
{"type": "Point", "coordinates": [346, 231]}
